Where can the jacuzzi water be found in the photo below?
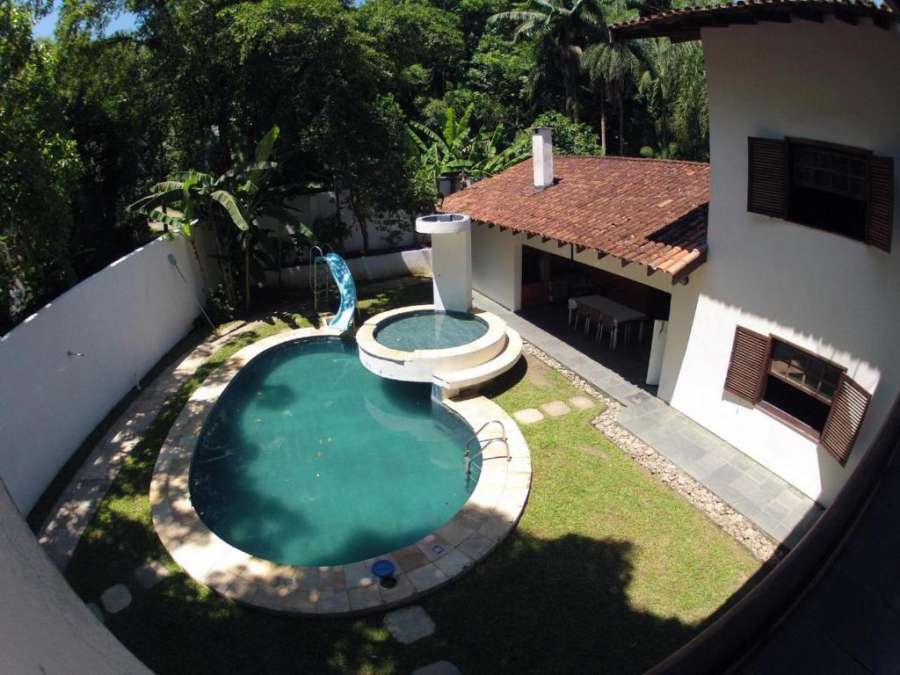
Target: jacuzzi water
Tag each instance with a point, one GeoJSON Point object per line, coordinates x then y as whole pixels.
{"type": "Point", "coordinates": [430, 329]}
{"type": "Point", "coordinates": [310, 459]}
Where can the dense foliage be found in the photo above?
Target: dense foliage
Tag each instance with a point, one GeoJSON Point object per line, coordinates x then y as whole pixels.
{"type": "Point", "coordinates": [363, 95]}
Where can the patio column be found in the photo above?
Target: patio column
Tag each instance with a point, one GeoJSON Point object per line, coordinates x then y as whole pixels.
{"type": "Point", "coordinates": [657, 351]}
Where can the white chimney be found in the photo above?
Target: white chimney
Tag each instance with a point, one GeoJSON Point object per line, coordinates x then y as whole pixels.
{"type": "Point", "coordinates": [542, 157]}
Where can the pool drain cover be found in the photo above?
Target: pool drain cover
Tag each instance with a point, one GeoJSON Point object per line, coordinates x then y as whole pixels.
{"type": "Point", "coordinates": [384, 570]}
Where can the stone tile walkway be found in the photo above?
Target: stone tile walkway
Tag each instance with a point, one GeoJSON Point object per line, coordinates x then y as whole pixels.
{"type": "Point", "coordinates": [76, 506]}
{"type": "Point", "coordinates": [772, 504]}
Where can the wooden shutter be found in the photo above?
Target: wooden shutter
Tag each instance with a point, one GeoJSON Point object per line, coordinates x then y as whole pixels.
{"type": "Point", "coordinates": [848, 408]}
{"type": "Point", "coordinates": [749, 363]}
{"type": "Point", "coordinates": [767, 177]}
{"type": "Point", "coordinates": [880, 223]}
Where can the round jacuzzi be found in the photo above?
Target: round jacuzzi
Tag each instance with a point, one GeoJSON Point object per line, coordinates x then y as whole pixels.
{"type": "Point", "coordinates": [309, 459]}
{"type": "Point", "coordinates": [415, 343]}
{"type": "Point", "coordinates": [429, 329]}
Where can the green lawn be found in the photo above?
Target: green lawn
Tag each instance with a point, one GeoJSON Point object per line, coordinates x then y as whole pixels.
{"type": "Point", "coordinates": [607, 571]}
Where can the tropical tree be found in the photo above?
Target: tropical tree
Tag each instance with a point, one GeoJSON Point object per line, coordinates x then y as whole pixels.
{"type": "Point", "coordinates": [233, 203]}
{"type": "Point", "coordinates": [569, 138]}
{"type": "Point", "coordinates": [445, 152]}
{"type": "Point", "coordinates": [40, 169]}
{"type": "Point", "coordinates": [673, 90]}
{"type": "Point", "coordinates": [564, 28]}
{"type": "Point", "coordinates": [457, 151]}
{"type": "Point", "coordinates": [613, 68]}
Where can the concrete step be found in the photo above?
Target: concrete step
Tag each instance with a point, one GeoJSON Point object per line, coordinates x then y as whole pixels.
{"type": "Point", "coordinates": [454, 382]}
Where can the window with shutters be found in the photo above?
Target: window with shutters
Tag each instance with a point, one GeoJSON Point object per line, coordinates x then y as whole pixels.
{"type": "Point", "coordinates": [811, 394]}
{"type": "Point", "coordinates": [847, 191]}
{"type": "Point", "coordinates": [801, 385]}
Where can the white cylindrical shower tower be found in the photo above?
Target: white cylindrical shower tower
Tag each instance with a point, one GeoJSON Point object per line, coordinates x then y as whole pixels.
{"type": "Point", "coordinates": [451, 259]}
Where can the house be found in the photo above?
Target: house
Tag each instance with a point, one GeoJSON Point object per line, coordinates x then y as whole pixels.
{"type": "Point", "coordinates": [778, 320]}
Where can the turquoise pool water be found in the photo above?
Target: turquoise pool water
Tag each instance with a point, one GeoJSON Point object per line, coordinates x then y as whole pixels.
{"type": "Point", "coordinates": [429, 329]}
{"type": "Point", "coordinates": [310, 459]}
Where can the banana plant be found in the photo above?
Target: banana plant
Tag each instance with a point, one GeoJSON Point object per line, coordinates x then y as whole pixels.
{"type": "Point", "coordinates": [489, 159]}
{"type": "Point", "coordinates": [445, 153]}
{"type": "Point", "coordinates": [456, 150]}
{"type": "Point", "coordinates": [233, 203]}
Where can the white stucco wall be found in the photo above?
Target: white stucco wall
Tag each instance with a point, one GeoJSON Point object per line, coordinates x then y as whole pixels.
{"type": "Point", "coordinates": [44, 626]}
{"type": "Point", "coordinates": [497, 265]}
{"type": "Point", "coordinates": [123, 319]}
{"type": "Point", "coordinates": [832, 295]}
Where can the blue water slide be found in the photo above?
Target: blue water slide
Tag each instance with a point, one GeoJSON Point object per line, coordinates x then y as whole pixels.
{"type": "Point", "coordinates": [343, 319]}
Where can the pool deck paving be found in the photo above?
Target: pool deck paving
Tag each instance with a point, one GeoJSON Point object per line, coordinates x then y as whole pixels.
{"type": "Point", "coordinates": [771, 503]}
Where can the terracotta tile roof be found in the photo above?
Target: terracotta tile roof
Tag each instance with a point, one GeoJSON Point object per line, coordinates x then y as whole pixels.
{"type": "Point", "coordinates": [685, 23]}
{"type": "Point", "coordinates": [646, 211]}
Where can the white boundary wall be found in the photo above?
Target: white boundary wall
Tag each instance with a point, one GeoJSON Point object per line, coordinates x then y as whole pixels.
{"type": "Point", "coordinates": [415, 262]}
{"type": "Point", "coordinates": [322, 205]}
{"type": "Point", "coordinates": [123, 319]}
{"type": "Point", "coordinates": [44, 626]}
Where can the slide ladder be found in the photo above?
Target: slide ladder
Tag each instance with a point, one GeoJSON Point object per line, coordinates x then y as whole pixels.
{"type": "Point", "coordinates": [343, 279]}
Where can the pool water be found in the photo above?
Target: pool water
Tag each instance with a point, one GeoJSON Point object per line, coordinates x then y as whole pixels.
{"type": "Point", "coordinates": [310, 459]}
{"type": "Point", "coordinates": [430, 329]}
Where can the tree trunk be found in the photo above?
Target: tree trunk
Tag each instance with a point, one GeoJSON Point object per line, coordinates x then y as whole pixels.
{"type": "Point", "coordinates": [203, 278]}
{"type": "Point", "coordinates": [360, 213]}
{"type": "Point", "coordinates": [247, 277]}
{"type": "Point", "coordinates": [621, 123]}
{"type": "Point", "coordinates": [603, 122]}
{"type": "Point", "coordinates": [572, 90]}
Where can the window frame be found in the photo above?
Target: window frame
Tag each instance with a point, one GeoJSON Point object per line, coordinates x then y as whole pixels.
{"type": "Point", "coordinates": [782, 415]}
{"type": "Point", "coordinates": [792, 142]}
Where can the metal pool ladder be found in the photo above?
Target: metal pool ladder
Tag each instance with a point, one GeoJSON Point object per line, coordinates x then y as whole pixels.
{"type": "Point", "coordinates": [483, 443]}
{"type": "Point", "coordinates": [319, 288]}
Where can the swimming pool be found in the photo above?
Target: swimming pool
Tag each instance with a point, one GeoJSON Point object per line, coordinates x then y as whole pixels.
{"type": "Point", "coordinates": [430, 329]}
{"type": "Point", "coordinates": [309, 459]}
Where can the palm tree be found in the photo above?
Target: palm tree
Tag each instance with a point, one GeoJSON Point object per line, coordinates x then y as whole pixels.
{"type": "Point", "coordinates": [613, 68]}
{"type": "Point", "coordinates": [238, 199]}
{"type": "Point", "coordinates": [563, 27]}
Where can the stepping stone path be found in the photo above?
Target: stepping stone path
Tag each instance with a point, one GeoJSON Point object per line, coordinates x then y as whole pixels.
{"type": "Point", "coordinates": [438, 668]}
{"type": "Point", "coordinates": [151, 574]}
{"type": "Point", "coordinates": [555, 408]}
{"type": "Point", "coordinates": [581, 402]}
{"type": "Point", "coordinates": [528, 416]}
{"type": "Point", "coordinates": [115, 598]}
{"type": "Point", "coordinates": [409, 624]}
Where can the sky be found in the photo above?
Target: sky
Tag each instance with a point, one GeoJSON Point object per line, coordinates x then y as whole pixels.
{"type": "Point", "coordinates": [44, 27]}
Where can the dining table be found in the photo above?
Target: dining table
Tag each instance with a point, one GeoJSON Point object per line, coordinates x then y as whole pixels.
{"type": "Point", "coordinates": [618, 313]}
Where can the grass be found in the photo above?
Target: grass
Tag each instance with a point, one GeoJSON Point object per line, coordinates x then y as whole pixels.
{"type": "Point", "coordinates": [607, 571]}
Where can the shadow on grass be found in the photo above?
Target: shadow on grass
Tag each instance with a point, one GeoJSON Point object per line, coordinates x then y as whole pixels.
{"type": "Point", "coordinates": [534, 605]}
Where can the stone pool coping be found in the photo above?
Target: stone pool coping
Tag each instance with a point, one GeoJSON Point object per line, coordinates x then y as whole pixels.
{"type": "Point", "coordinates": [420, 365]}
{"type": "Point", "coordinates": [489, 515]}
